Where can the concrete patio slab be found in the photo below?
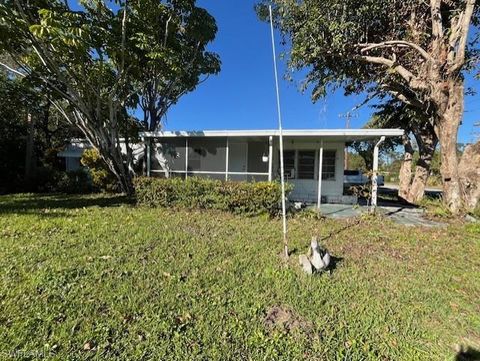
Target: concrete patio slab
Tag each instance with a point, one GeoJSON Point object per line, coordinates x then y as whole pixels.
{"type": "Point", "coordinates": [408, 216]}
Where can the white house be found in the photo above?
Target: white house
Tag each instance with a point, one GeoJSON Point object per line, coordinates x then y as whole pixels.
{"type": "Point", "coordinates": [253, 155]}
{"type": "Point", "coordinates": [72, 153]}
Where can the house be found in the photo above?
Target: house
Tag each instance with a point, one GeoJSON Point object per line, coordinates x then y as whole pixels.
{"type": "Point", "coordinates": [253, 155]}
{"type": "Point", "coordinates": [72, 153]}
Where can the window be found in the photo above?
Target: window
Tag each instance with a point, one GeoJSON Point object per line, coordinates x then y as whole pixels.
{"type": "Point", "coordinates": [328, 167]}
{"type": "Point", "coordinates": [306, 164]}
{"type": "Point", "coordinates": [289, 163]}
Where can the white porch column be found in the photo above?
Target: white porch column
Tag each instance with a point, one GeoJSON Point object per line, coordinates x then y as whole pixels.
{"type": "Point", "coordinates": [270, 158]}
{"type": "Point", "coordinates": [320, 171]}
{"type": "Point", "coordinates": [375, 174]}
{"type": "Point", "coordinates": [227, 155]}
{"type": "Point", "coordinates": [148, 157]}
{"type": "Point", "coordinates": [186, 158]}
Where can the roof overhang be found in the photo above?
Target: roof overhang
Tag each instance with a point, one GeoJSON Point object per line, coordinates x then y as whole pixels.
{"type": "Point", "coordinates": [329, 134]}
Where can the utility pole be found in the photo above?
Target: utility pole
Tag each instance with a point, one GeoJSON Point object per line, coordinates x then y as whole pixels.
{"type": "Point", "coordinates": [348, 116]}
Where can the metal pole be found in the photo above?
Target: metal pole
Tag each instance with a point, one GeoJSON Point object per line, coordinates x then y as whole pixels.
{"type": "Point", "coordinates": [149, 157]}
{"type": "Point", "coordinates": [375, 175]}
{"type": "Point", "coordinates": [320, 171]}
{"type": "Point", "coordinates": [227, 152]}
{"type": "Point", "coordinates": [280, 133]}
{"type": "Point", "coordinates": [270, 158]}
{"type": "Point", "coordinates": [186, 158]}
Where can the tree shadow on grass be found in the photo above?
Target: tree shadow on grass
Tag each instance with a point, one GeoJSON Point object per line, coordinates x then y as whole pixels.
{"type": "Point", "coordinates": [39, 204]}
{"type": "Point", "coordinates": [468, 354]}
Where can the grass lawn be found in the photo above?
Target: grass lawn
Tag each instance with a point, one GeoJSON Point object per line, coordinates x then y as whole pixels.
{"type": "Point", "coordinates": [95, 278]}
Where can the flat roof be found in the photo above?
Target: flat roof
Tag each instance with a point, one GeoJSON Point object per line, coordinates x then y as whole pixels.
{"type": "Point", "coordinates": [347, 134]}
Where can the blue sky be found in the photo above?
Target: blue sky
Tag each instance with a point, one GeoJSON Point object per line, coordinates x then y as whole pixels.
{"type": "Point", "coordinates": [242, 96]}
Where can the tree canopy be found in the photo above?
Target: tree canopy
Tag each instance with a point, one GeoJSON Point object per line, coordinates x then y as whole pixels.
{"type": "Point", "coordinates": [413, 51]}
{"type": "Point", "coordinates": [100, 64]}
{"type": "Point", "coordinates": [381, 46]}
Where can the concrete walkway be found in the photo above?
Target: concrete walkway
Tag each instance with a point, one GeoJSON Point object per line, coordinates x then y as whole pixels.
{"type": "Point", "coordinates": [408, 216]}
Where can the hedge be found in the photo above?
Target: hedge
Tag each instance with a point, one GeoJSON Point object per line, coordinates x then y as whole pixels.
{"type": "Point", "coordinates": [236, 197]}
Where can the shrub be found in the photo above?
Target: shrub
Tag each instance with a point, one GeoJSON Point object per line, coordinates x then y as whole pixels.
{"type": "Point", "coordinates": [102, 178]}
{"type": "Point", "coordinates": [236, 197]}
{"type": "Point", "coordinates": [435, 208]}
{"type": "Point", "coordinates": [44, 179]}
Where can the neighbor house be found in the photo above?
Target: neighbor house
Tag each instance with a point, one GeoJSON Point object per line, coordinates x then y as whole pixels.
{"type": "Point", "coordinates": [72, 153]}
{"type": "Point", "coordinates": [253, 155]}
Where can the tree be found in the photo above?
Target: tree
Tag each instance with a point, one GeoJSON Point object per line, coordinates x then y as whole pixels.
{"type": "Point", "coordinates": [22, 142]}
{"type": "Point", "coordinates": [172, 57]}
{"type": "Point", "coordinates": [395, 114]}
{"type": "Point", "coordinates": [92, 61]}
{"type": "Point", "coordinates": [413, 51]}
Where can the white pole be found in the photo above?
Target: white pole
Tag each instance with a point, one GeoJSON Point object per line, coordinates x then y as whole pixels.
{"type": "Point", "coordinates": [280, 131]}
{"type": "Point", "coordinates": [149, 157]}
{"type": "Point", "coordinates": [186, 158]}
{"type": "Point", "coordinates": [270, 158]}
{"type": "Point", "coordinates": [320, 171]}
{"type": "Point", "coordinates": [375, 175]}
{"type": "Point", "coordinates": [227, 152]}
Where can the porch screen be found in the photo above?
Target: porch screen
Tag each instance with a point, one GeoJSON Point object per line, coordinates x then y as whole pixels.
{"type": "Point", "coordinates": [206, 155]}
{"type": "Point", "coordinates": [289, 163]}
{"type": "Point", "coordinates": [169, 156]}
{"type": "Point", "coordinates": [328, 169]}
{"type": "Point", "coordinates": [306, 164]}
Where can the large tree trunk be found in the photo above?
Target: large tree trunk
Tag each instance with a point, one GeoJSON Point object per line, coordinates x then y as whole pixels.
{"type": "Point", "coordinates": [113, 157]}
{"type": "Point", "coordinates": [469, 171]}
{"type": "Point", "coordinates": [427, 142]}
{"type": "Point", "coordinates": [405, 176]}
{"type": "Point", "coordinates": [110, 149]}
{"type": "Point", "coordinates": [447, 132]}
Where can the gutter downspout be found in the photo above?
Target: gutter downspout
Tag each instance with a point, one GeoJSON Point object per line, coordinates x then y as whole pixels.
{"type": "Point", "coordinates": [149, 156]}
{"type": "Point", "coordinates": [320, 172]}
{"type": "Point", "coordinates": [375, 175]}
{"type": "Point", "coordinates": [270, 158]}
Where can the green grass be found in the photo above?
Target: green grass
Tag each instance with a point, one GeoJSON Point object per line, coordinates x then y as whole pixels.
{"type": "Point", "coordinates": [94, 278]}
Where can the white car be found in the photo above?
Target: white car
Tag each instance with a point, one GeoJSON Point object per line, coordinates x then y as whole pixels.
{"type": "Point", "coordinates": [357, 178]}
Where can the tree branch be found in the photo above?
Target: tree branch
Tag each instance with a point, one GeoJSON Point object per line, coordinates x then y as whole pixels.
{"type": "Point", "coordinates": [400, 94]}
{"type": "Point", "coordinates": [437, 27]}
{"type": "Point", "coordinates": [407, 75]}
{"type": "Point", "coordinates": [396, 43]}
{"type": "Point", "coordinates": [464, 27]}
{"type": "Point", "coordinates": [10, 69]}
{"type": "Point", "coordinates": [165, 38]}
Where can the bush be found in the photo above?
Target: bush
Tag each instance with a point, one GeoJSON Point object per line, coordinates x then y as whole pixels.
{"type": "Point", "coordinates": [102, 178]}
{"type": "Point", "coordinates": [435, 208]}
{"type": "Point", "coordinates": [235, 197]}
{"type": "Point", "coordinates": [43, 180]}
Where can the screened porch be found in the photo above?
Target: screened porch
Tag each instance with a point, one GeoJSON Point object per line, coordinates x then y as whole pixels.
{"type": "Point", "coordinates": [223, 158]}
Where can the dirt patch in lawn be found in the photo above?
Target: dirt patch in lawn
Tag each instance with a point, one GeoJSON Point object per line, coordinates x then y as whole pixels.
{"type": "Point", "coordinates": [285, 319]}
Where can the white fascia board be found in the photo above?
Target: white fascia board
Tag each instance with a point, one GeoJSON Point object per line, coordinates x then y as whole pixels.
{"type": "Point", "coordinates": [347, 133]}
